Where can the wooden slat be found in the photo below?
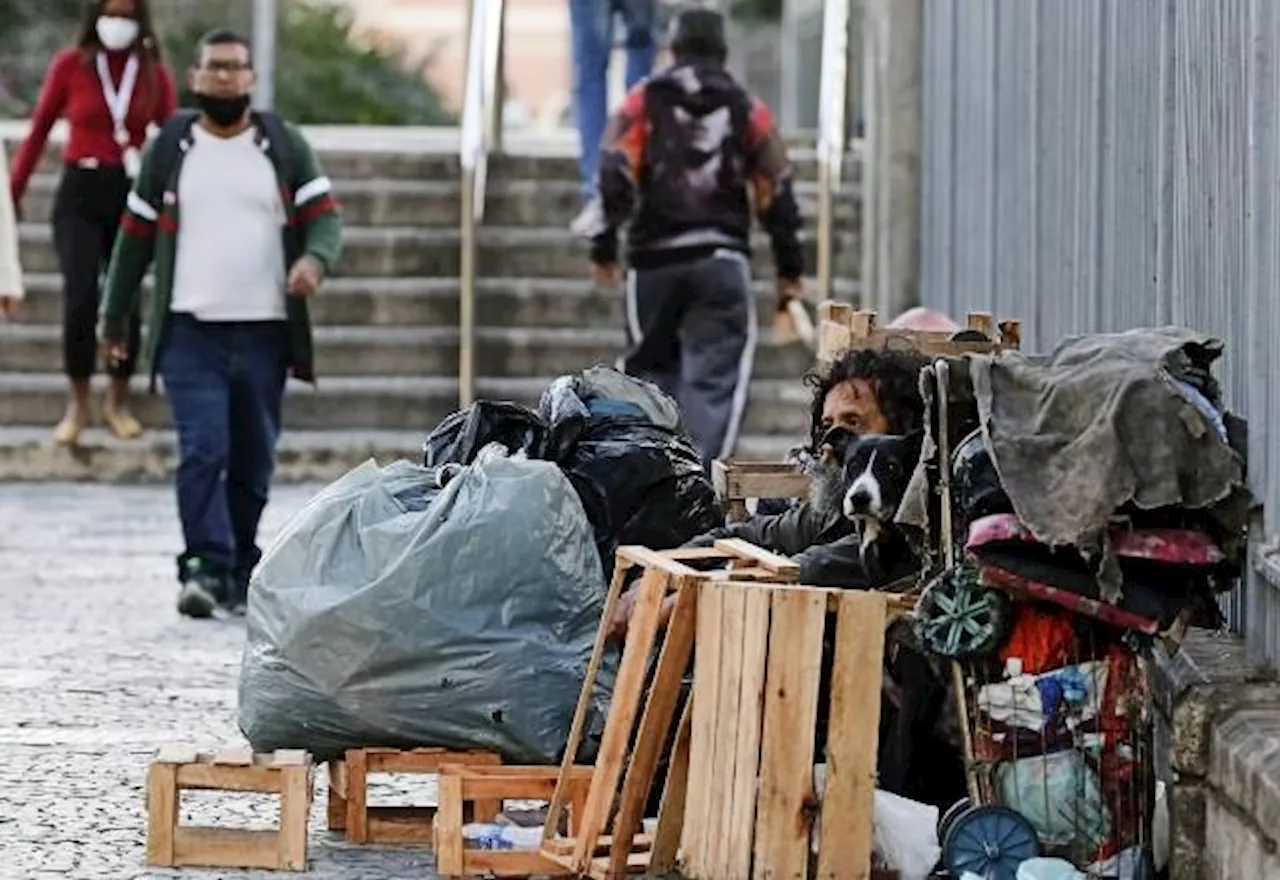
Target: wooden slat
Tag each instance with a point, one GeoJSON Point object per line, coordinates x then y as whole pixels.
{"type": "Point", "coordinates": [517, 771]}
{"type": "Point", "coordinates": [564, 846]}
{"type": "Point", "coordinates": [162, 812]}
{"type": "Point", "coordinates": [357, 761]}
{"type": "Point", "coordinates": [706, 702]}
{"type": "Point", "coordinates": [448, 826]}
{"type": "Point", "coordinates": [720, 814]}
{"type": "Point", "coordinates": [849, 801]}
{"type": "Point", "coordinates": [411, 825]}
{"type": "Point", "coordinates": [337, 807]}
{"type": "Point", "coordinates": [177, 753]}
{"type": "Point", "coordinates": [787, 570]}
{"type": "Point", "coordinates": [666, 841]}
{"type": "Point", "coordinates": [226, 848]}
{"type": "Point", "coordinates": [238, 757]}
{"type": "Point", "coordinates": [295, 807]}
{"type": "Point", "coordinates": [517, 863]}
{"type": "Point", "coordinates": [761, 480]}
{"type": "Point", "coordinates": [228, 778]}
{"type": "Point", "coordinates": [655, 723]}
{"type": "Point", "coordinates": [290, 758]}
{"type": "Point", "coordinates": [786, 802]}
{"type": "Point", "coordinates": [686, 554]}
{"type": "Point", "coordinates": [637, 863]}
{"type": "Point", "coordinates": [555, 809]}
{"type": "Point", "coordinates": [426, 760]}
{"type": "Point", "coordinates": [654, 559]}
{"type": "Point", "coordinates": [740, 835]}
{"type": "Point", "coordinates": [623, 708]}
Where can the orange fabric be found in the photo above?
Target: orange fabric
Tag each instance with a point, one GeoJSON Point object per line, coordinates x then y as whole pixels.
{"type": "Point", "coordinates": [1042, 637]}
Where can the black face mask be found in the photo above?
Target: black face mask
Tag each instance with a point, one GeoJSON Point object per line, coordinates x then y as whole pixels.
{"type": "Point", "coordinates": [223, 112]}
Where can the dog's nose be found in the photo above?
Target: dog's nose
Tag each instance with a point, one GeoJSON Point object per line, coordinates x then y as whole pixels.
{"type": "Point", "coordinates": [859, 501]}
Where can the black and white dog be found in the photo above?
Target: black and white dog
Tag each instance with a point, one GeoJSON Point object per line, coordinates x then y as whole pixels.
{"type": "Point", "coordinates": [875, 471]}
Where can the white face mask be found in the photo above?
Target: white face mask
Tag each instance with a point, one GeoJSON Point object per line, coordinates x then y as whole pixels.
{"type": "Point", "coordinates": [117, 33]}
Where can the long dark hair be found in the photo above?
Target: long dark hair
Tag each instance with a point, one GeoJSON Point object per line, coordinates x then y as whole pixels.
{"type": "Point", "coordinates": [894, 375]}
{"type": "Point", "coordinates": [150, 54]}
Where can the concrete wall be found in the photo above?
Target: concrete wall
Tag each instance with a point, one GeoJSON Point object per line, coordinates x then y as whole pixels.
{"type": "Point", "coordinates": [1219, 732]}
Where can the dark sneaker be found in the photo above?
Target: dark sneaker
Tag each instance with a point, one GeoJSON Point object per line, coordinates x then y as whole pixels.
{"type": "Point", "coordinates": [196, 601]}
{"type": "Point", "coordinates": [237, 599]}
{"type": "Point", "coordinates": [202, 589]}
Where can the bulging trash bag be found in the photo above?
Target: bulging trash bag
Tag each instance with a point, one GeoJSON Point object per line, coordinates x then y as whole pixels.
{"type": "Point", "coordinates": [462, 435]}
{"type": "Point", "coordinates": [622, 444]}
{"type": "Point", "coordinates": [408, 606]}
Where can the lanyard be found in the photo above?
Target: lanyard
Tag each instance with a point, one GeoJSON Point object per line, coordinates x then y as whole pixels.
{"type": "Point", "coordinates": [118, 100]}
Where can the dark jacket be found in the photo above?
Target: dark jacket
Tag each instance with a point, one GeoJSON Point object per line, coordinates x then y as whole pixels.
{"type": "Point", "coordinates": [826, 547]}
{"type": "Point", "coordinates": [683, 160]}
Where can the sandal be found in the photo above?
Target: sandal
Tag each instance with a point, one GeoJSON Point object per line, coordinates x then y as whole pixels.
{"type": "Point", "coordinates": [122, 423]}
{"type": "Point", "coordinates": [67, 433]}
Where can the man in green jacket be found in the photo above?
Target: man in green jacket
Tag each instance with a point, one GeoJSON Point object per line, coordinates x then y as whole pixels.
{"type": "Point", "coordinates": [240, 223]}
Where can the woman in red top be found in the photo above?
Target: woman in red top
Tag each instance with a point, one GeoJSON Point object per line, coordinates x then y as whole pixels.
{"type": "Point", "coordinates": [109, 88]}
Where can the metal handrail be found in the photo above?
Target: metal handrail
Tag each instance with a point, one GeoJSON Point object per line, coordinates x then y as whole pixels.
{"type": "Point", "coordinates": [833, 131]}
{"type": "Point", "coordinates": [481, 135]}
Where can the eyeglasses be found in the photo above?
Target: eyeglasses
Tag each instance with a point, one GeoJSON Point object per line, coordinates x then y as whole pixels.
{"type": "Point", "coordinates": [230, 68]}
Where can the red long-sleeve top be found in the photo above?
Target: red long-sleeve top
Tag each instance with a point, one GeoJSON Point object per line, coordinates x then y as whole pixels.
{"type": "Point", "coordinates": [72, 91]}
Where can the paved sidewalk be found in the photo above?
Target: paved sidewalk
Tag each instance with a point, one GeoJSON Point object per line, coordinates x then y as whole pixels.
{"type": "Point", "coordinates": [97, 670]}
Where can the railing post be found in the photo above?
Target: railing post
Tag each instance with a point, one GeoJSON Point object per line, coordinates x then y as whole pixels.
{"type": "Point", "coordinates": [833, 138]}
{"type": "Point", "coordinates": [265, 21]}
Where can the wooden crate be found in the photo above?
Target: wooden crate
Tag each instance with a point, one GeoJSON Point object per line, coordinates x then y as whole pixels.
{"type": "Point", "coordinates": [178, 768]}
{"type": "Point", "coordinates": [841, 328]}
{"type": "Point", "coordinates": [751, 804]}
{"type": "Point", "coordinates": [349, 808]}
{"type": "Point", "coordinates": [737, 482]}
{"type": "Point", "coordinates": [606, 843]}
{"type": "Point", "coordinates": [460, 786]}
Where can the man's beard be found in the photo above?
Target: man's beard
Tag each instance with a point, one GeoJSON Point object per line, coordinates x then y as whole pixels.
{"type": "Point", "coordinates": [826, 486]}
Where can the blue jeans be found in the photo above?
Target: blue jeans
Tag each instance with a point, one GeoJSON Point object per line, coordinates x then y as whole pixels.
{"type": "Point", "coordinates": [592, 24]}
{"type": "Point", "coordinates": [225, 384]}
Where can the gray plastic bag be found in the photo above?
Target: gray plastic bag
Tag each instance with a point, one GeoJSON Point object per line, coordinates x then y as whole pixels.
{"type": "Point", "coordinates": [467, 624]}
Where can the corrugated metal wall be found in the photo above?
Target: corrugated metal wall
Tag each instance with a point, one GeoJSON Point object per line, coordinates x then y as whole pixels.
{"type": "Point", "coordinates": [1105, 164]}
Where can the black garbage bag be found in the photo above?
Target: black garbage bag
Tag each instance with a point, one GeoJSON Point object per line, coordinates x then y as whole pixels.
{"type": "Point", "coordinates": [462, 435]}
{"type": "Point", "coordinates": [622, 444]}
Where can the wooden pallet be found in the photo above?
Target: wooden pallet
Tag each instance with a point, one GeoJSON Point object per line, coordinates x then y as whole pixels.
{"type": "Point", "coordinates": [178, 768]}
{"type": "Point", "coordinates": [349, 808]}
{"type": "Point", "coordinates": [737, 482]}
{"type": "Point", "coordinates": [460, 786]}
{"type": "Point", "coordinates": [639, 721]}
{"type": "Point", "coordinates": [841, 328]}
{"type": "Point", "coordinates": [751, 804]}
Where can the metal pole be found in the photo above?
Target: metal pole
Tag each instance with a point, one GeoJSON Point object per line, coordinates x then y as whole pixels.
{"type": "Point", "coordinates": [265, 14]}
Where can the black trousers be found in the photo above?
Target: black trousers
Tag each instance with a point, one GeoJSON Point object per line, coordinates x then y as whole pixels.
{"type": "Point", "coordinates": [86, 216]}
{"type": "Point", "coordinates": [691, 328]}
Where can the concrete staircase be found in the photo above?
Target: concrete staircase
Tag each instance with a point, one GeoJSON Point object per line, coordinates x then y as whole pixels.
{"type": "Point", "coordinates": [387, 323]}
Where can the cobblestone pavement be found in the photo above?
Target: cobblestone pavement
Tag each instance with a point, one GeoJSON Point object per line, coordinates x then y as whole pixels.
{"type": "Point", "coordinates": [97, 670]}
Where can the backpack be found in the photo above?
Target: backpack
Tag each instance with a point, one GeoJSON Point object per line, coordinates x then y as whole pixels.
{"type": "Point", "coordinates": [167, 149]}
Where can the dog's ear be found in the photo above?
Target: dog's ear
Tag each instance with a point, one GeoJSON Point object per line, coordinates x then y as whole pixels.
{"type": "Point", "coordinates": [915, 443]}
{"type": "Point", "coordinates": [838, 439]}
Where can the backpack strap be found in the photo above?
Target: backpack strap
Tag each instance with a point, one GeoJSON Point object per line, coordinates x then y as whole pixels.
{"type": "Point", "coordinates": [165, 153]}
{"type": "Point", "coordinates": [279, 145]}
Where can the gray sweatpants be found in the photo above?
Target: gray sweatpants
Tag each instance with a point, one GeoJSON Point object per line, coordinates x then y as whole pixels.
{"type": "Point", "coordinates": [691, 328]}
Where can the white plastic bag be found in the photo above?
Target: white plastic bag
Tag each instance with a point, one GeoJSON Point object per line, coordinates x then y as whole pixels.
{"type": "Point", "coordinates": [1049, 869]}
{"type": "Point", "coordinates": [906, 835]}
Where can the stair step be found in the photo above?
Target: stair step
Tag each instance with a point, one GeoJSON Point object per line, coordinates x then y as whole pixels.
{"type": "Point", "coordinates": [385, 403]}
{"type": "Point", "coordinates": [433, 302]}
{"type": "Point", "coordinates": [512, 351]}
{"type": "Point", "coordinates": [401, 159]}
{"type": "Point", "coordinates": [436, 203]}
{"type": "Point", "coordinates": [503, 252]}
{"type": "Point", "coordinates": [28, 455]}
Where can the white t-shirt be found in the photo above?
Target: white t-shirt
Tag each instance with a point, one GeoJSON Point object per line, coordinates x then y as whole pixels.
{"type": "Point", "coordinates": [230, 256]}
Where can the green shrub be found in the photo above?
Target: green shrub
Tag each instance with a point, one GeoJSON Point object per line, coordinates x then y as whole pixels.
{"type": "Point", "coordinates": [323, 76]}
